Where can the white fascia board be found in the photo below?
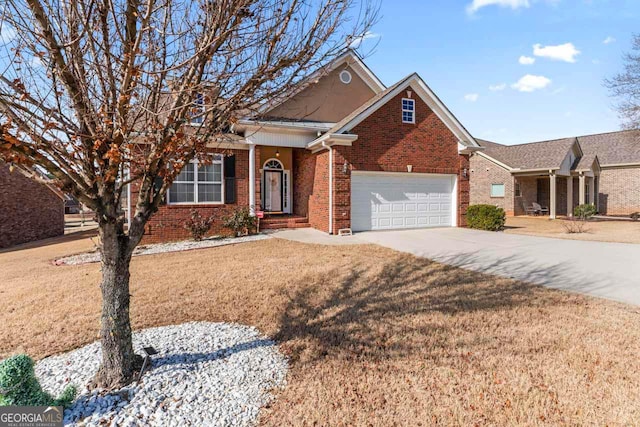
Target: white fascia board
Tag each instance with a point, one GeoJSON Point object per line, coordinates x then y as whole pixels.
{"type": "Point", "coordinates": [620, 165]}
{"type": "Point", "coordinates": [420, 87]}
{"type": "Point", "coordinates": [348, 57]}
{"type": "Point", "coordinates": [497, 162]}
{"type": "Point", "coordinates": [256, 125]}
{"type": "Point", "coordinates": [331, 139]}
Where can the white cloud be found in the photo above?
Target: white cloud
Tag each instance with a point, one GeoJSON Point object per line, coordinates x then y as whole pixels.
{"type": "Point", "coordinates": [609, 40]}
{"type": "Point", "coordinates": [563, 52]}
{"type": "Point", "coordinates": [479, 4]}
{"type": "Point", "coordinates": [498, 87]}
{"type": "Point", "coordinates": [471, 97]}
{"type": "Point", "coordinates": [7, 33]}
{"type": "Point", "coordinates": [526, 60]}
{"type": "Point", "coordinates": [530, 83]}
{"type": "Point", "coordinates": [357, 41]}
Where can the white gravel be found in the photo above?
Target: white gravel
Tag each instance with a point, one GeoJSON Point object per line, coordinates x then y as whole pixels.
{"type": "Point", "coordinates": [159, 248]}
{"type": "Point", "coordinates": [206, 374]}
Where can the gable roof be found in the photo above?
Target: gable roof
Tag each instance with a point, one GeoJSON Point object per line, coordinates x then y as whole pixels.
{"type": "Point", "coordinates": [613, 148]}
{"type": "Point", "coordinates": [421, 89]}
{"type": "Point", "coordinates": [535, 155]}
{"type": "Point", "coordinates": [349, 57]}
{"type": "Point", "coordinates": [607, 149]}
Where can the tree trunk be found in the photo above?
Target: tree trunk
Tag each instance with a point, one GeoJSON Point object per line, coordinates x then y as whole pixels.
{"type": "Point", "coordinates": [119, 362]}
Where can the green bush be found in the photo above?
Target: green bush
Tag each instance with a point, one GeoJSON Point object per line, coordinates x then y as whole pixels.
{"type": "Point", "coordinates": [486, 217]}
{"type": "Point", "coordinates": [584, 212]}
{"type": "Point", "coordinates": [19, 385]}
{"type": "Point", "coordinates": [241, 222]}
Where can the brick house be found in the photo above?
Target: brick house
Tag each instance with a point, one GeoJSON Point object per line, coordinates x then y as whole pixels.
{"type": "Point", "coordinates": [602, 169]}
{"type": "Point", "coordinates": [343, 152]}
{"type": "Point", "coordinates": [30, 210]}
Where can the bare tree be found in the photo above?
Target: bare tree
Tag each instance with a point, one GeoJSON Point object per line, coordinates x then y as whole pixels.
{"type": "Point", "coordinates": [91, 89]}
{"type": "Point", "coordinates": [626, 87]}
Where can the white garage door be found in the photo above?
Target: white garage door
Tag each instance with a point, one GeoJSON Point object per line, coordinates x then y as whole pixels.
{"type": "Point", "coordinates": [385, 201]}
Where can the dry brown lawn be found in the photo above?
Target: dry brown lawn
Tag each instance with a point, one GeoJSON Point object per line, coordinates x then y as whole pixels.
{"type": "Point", "coordinates": [604, 231]}
{"type": "Point", "coordinates": [375, 337]}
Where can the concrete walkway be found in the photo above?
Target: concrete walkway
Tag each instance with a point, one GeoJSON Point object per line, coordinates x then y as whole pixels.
{"type": "Point", "coordinates": [313, 236]}
{"type": "Point", "coordinates": [608, 270]}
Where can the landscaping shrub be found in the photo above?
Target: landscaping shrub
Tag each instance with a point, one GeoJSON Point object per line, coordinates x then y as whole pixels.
{"type": "Point", "coordinates": [241, 222]}
{"type": "Point", "coordinates": [584, 212]}
{"type": "Point", "coordinates": [19, 385]}
{"type": "Point", "coordinates": [198, 225]}
{"type": "Point", "coordinates": [575, 226]}
{"type": "Point", "coordinates": [486, 217]}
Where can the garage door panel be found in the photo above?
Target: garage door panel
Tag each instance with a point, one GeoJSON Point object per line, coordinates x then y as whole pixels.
{"type": "Point", "coordinates": [387, 201]}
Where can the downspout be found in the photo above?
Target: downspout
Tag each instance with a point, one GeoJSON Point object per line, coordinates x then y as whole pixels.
{"type": "Point", "coordinates": [328, 147]}
{"type": "Point", "coordinates": [252, 178]}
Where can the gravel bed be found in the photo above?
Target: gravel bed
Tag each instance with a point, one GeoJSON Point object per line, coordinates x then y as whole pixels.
{"type": "Point", "coordinates": [160, 248]}
{"type": "Point", "coordinates": [206, 374]}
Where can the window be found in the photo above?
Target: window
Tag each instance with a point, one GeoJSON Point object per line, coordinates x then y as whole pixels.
{"type": "Point", "coordinates": [517, 190]}
{"type": "Point", "coordinates": [198, 110]}
{"type": "Point", "coordinates": [198, 183]}
{"type": "Point", "coordinates": [408, 110]}
{"type": "Point", "coordinates": [497, 190]}
{"type": "Point", "coordinates": [345, 77]}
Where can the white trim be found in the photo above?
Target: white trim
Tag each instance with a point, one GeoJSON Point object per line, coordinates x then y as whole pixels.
{"type": "Point", "coordinates": [195, 201]}
{"type": "Point", "coordinates": [330, 189]}
{"type": "Point", "coordinates": [347, 77]}
{"type": "Point", "coordinates": [352, 60]}
{"type": "Point", "coordinates": [252, 179]}
{"type": "Point", "coordinates": [272, 159]}
{"type": "Point", "coordinates": [329, 139]}
{"type": "Point", "coordinates": [454, 201]}
{"type": "Point", "coordinates": [412, 111]}
{"type": "Point", "coordinates": [359, 172]}
{"type": "Point", "coordinates": [425, 93]}
{"type": "Point", "coordinates": [491, 159]}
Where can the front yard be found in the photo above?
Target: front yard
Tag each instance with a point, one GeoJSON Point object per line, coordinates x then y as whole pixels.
{"type": "Point", "coordinates": [375, 337]}
{"type": "Point", "coordinates": [622, 231]}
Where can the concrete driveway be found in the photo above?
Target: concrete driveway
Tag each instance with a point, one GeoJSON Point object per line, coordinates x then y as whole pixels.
{"type": "Point", "coordinates": [609, 270]}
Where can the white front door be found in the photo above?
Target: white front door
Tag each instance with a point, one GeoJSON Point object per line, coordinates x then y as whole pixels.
{"type": "Point", "coordinates": [273, 191]}
{"type": "Point", "coordinates": [387, 200]}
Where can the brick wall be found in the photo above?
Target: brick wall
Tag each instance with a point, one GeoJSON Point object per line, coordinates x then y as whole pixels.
{"type": "Point", "coordinates": [619, 191]}
{"type": "Point", "coordinates": [483, 173]}
{"type": "Point", "coordinates": [168, 223]}
{"type": "Point", "coordinates": [386, 144]}
{"type": "Point", "coordinates": [29, 210]}
{"type": "Point", "coordinates": [464, 190]}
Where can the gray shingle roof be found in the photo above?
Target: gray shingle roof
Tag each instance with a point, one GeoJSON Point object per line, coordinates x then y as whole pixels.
{"type": "Point", "coordinates": [613, 148]}
{"type": "Point", "coordinates": [535, 155]}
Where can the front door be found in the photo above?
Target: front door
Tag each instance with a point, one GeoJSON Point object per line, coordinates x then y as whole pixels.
{"type": "Point", "coordinates": [273, 191]}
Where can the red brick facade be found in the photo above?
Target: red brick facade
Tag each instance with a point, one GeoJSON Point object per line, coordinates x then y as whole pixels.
{"type": "Point", "coordinates": [168, 223]}
{"type": "Point", "coordinates": [384, 144]}
{"type": "Point", "coordinates": [29, 210]}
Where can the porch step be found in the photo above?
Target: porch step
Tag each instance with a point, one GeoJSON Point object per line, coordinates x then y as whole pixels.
{"type": "Point", "coordinates": [273, 222]}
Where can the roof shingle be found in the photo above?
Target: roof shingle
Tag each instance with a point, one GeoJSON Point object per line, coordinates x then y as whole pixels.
{"type": "Point", "coordinates": [535, 155]}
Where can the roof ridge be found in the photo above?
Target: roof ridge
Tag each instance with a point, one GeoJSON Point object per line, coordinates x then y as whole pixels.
{"type": "Point", "coordinates": [608, 133]}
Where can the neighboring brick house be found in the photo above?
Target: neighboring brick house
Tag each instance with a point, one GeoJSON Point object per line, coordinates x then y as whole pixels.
{"type": "Point", "coordinates": [30, 210]}
{"type": "Point", "coordinates": [603, 169]}
{"type": "Point", "coordinates": [343, 152]}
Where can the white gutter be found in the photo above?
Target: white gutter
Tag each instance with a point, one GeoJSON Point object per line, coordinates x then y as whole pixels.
{"type": "Point", "coordinates": [328, 147]}
{"type": "Point", "coordinates": [329, 139]}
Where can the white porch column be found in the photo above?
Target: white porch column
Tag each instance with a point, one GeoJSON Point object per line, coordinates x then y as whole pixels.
{"type": "Point", "coordinates": [553, 195]}
{"type": "Point", "coordinates": [252, 179]}
{"type": "Point", "coordinates": [581, 189]}
{"type": "Point", "coordinates": [592, 185]}
{"type": "Point", "coordinates": [570, 196]}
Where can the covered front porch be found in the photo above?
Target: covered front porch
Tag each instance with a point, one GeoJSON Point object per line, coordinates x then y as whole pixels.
{"type": "Point", "coordinates": [556, 194]}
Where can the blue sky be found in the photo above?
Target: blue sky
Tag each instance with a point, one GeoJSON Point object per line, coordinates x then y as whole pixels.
{"type": "Point", "coordinates": [469, 52]}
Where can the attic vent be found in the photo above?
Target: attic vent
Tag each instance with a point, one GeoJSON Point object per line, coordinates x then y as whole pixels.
{"type": "Point", "coordinates": [345, 77]}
